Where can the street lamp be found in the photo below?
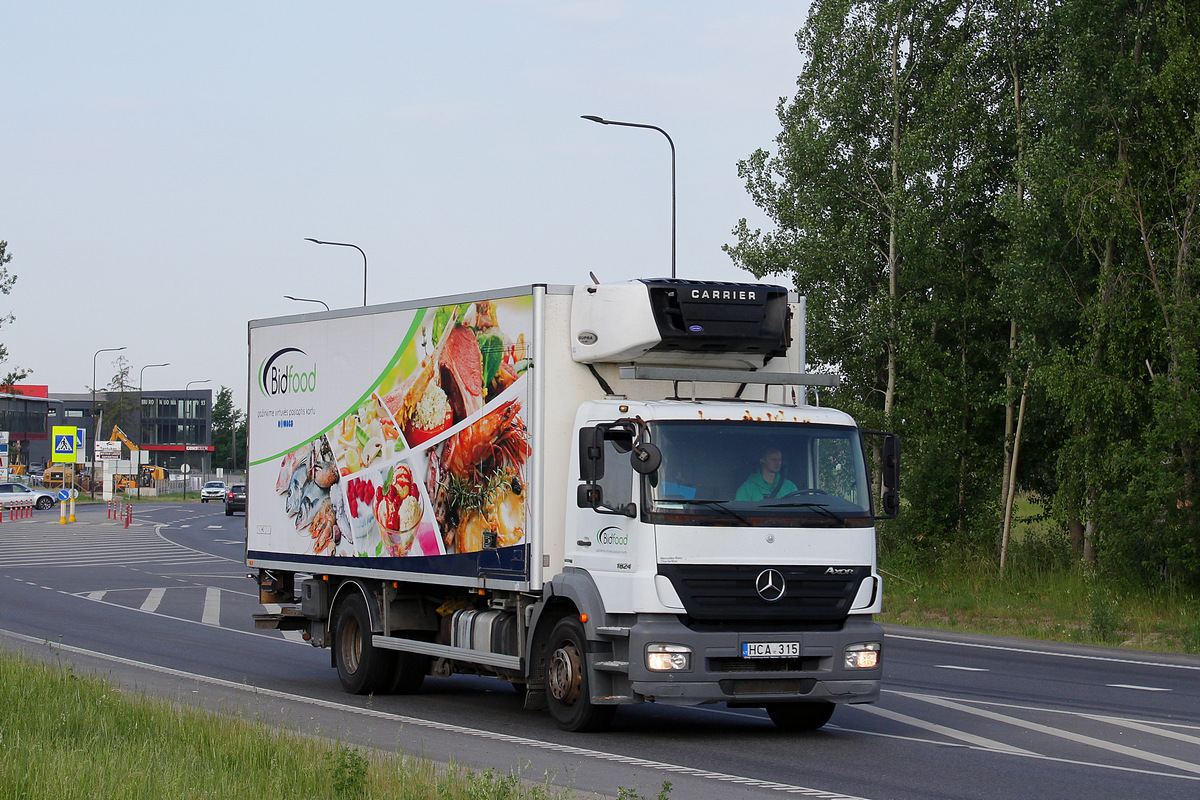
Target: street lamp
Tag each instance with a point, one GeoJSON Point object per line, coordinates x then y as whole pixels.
{"type": "Point", "coordinates": [141, 424]}
{"type": "Point", "coordinates": [356, 247]}
{"type": "Point", "coordinates": [306, 300]}
{"type": "Point", "coordinates": [96, 430]}
{"type": "Point", "coordinates": [603, 121]}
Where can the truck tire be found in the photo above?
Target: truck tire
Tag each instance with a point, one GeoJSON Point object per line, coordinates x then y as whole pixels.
{"type": "Point", "coordinates": [362, 667]}
{"type": "Point", "coordinates": [568, 688]}
{"type": "Point", "coordinates": [800, 716]}
{"type": "Point", "coordinates": [411, 668]}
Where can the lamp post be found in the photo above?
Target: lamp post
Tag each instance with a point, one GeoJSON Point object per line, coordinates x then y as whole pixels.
{"type": "Point", "coordinates": [141, 425]}
{"type": "Point", "coordinates": [602, 121]}
{"type": "Point", "coordinates": [183, 436]}
{"type": "Point", "coordinates": [356, 247]}
{"type": "Point", "coordinates": [96, 431]}
{"type": "Point", "coordinates": [306, 300]}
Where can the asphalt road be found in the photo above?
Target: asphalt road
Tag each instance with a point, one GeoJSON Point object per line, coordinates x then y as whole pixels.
{"type": "Point", "coordinates": [164, 607]}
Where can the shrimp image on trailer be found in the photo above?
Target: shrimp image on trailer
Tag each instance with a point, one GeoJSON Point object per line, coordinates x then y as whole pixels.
{"type": "Point", "coordinates": [604, 494]}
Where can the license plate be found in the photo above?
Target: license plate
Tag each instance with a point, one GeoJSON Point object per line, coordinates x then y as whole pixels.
{"type": "Point", "coordinates": [770, 649]}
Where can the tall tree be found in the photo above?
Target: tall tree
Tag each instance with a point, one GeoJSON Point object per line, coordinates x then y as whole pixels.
{"type": "Point", "coordinates": [6, 284]}
{"type": "Point", "coordinates": [229, 432]}
{"type": "Point", "coordinates": [120, 403]}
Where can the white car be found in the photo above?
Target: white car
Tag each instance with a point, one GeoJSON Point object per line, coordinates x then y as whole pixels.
{"type": "Point", "coordinates": [11, 493]}
{"type": "Point", "coordinates": [213, 490]}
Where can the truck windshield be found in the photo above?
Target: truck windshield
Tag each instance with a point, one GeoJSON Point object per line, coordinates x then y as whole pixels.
{"type": "Point", "coordinates": [734, 472]}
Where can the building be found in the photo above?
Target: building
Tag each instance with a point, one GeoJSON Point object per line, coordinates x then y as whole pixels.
{"type": "Point", "coordinates": [23, 416]}
{"type": "Point", "coordinates": [173, 427]}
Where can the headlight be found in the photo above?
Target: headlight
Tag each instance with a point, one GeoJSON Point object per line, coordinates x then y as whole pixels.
{"type": "Point", "coordinates": [862, 656]}
{"type": "Point", "coordinates": [668, 657]}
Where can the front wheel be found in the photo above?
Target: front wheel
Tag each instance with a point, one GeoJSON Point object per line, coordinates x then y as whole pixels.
{"type": "Point", "coordinates": [362, 667]}
{"type": "Point", "coordinates": [569, 690]}
{"type": "Point", "coordinates": [43, 503]}
{"type": "Point", "coordinates": [800, 716]}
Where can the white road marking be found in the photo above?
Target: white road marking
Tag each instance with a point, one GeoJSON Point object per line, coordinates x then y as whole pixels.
{"type": "Point", "coordinates": [216, 527]}
{"type": "Point", "coordinates": [933, 727]}
{"type": "Point", "coordinates": [1136, 688]}
{"type": "Point", "coordinates": [961, 669]}
{"type": "Point", "coordinates": [1052, 653]}
{"type": "Point", "coordinates": [1079, 738]}
{"type": "Point", "coordinates": [1137, 726]}
{"type": "Point", "coordinates": [212, 606]}
{"type": "Point", "coordinates": [153, 600]}
{"type": "Point", "coordinates": [581, 752]}
{"type": "Point", "coordinates": [96, 595]}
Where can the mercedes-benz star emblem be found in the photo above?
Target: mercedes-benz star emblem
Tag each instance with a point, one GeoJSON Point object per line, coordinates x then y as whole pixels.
{"type": "Point", "coordinates": [770, 585]}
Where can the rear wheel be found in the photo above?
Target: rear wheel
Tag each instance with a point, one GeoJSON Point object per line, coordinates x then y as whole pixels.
{"type": "Point", "coordinates": [228, 511]}
{"type": "Point", "coordinates": [411, 668]}
{"type": "Point", "coordinates": [362, 667]}
{"type": "Point", "coordinates": [568, 688]}
{"type": "Point", "coordinates": [800, 716]}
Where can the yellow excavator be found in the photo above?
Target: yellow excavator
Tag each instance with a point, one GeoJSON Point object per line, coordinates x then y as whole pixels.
{"type": "Point", "coordinates": [145, 476]}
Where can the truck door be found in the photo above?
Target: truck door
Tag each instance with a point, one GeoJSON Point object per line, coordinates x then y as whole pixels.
{"type": "Point", "coordinates": [605, 540]}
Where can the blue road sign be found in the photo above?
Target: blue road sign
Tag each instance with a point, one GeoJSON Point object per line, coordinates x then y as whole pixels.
{"type": "Point", "coordinates": [63, 494]}
{"type": "Point", "coordinates": [64, 445]}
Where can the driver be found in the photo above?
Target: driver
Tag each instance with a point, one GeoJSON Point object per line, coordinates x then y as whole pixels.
{"type": "Point", "coordinates": [766, 482]}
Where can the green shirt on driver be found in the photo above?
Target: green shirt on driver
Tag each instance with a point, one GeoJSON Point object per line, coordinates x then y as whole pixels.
{"type": "Point", "coordinates": [755, 488]}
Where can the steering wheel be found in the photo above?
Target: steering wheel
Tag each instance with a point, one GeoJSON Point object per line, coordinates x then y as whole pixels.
{"type": "Point", "coordinates": [804, 492]}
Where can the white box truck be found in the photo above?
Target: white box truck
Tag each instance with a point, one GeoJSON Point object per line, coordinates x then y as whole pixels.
{"type": "Point", "coordinates": [605, 494]}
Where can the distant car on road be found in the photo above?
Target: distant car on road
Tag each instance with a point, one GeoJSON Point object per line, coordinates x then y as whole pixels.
{"type": "Point", "coordinates": [11, 493]}
{"type": "Point", "coordinates": [235, 499]}
{"type": "Point", "coordinates": [213, 490]}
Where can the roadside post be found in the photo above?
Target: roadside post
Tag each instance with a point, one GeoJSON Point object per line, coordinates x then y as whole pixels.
{"type": "Point", "coordinates": [74, 494]}
{"type": "Point", "coordinates": [63, 452]}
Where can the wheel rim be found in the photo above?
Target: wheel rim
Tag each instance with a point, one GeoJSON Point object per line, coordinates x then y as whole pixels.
{"type": "Point", "coordinates": [351, 645]}
{"type": "Point", "coordinates": [566, 674]}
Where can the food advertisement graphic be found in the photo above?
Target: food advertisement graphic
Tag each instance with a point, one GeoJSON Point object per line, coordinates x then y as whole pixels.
{"type": "Point", "coordinates": [397, 435]}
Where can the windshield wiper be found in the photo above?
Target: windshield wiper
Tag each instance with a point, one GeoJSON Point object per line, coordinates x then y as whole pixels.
{"type": "Point", "coordinates": [717, 504]}
{"type": "Point", "coordinates": [820, 508]}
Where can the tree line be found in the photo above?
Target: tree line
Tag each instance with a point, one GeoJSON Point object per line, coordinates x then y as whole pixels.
{"type": "Point", "coordinates": [991, 206]}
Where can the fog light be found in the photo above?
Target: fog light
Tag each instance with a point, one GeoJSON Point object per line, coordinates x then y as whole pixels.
{"type": "Point", "coordinates": [668, 657]}
{"type": "Point", "coordinates": [862, 656]}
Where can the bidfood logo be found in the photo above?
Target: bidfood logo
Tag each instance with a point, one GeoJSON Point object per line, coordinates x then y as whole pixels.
{"type": "Point", "coordinates": [612, 537]}
{"type": "Point", "coordinates": [284, 374]}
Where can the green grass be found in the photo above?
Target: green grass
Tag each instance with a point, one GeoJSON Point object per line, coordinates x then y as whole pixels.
{"type": "Point", "coordinates": [1045, 593]}
{"type": "Point", "coordinates": [69, 736]}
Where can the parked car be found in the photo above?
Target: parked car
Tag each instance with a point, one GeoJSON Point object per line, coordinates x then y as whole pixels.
{"type": "Point", "coordinates": [213, 490]}
{"type": "Point", "coordinates": [13, 492]}
{"type": "Point", "coordinates": [235, 499]}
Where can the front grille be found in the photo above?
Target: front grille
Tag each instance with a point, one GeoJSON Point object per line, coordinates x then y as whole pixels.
{"type": "Point", "coordinates": [728, 592]}
{"type": "Point", "coordinates": [745, 686]}
{"type": "Point", "coordinates": [764, 664]}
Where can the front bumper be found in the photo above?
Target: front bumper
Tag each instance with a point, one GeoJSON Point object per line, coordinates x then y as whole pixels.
{"type": "Point", "coordinates": [719, 673]}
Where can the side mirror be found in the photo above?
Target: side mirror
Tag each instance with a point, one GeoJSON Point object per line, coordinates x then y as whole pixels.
{"type": "Point", "coordinates": [891, 462]}
{"type": "Point", "coordinates": [646, 459]}
{"type": "Point", "coordinates": [591, 454]}
{"type": "Point", "coordinates": [891, 503]}
{"type": "Point", "coordinates": [588, 495]}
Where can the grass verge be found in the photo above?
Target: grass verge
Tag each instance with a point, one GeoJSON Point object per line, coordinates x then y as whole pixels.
{"type": "Point", "coordinates": [64, 735]}
{"type": "Point", "coordinates": [1067, 602]}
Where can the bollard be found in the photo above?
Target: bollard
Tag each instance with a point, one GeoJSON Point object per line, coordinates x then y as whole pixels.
{"type": "Point", "coordinates": [62, 512]}
{"type": "Point", "coordinates": [128, 514]}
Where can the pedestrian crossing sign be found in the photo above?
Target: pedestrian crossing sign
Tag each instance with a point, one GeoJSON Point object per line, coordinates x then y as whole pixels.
{"type": "Point", "coordinates": [64, 444]}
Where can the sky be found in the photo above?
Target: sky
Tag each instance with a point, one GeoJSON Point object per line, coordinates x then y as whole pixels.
{"type": "Point", "coordinates": [161, 164]}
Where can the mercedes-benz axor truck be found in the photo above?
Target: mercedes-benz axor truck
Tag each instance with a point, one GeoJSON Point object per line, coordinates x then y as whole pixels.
{"type": "Point", "coordinates": [604, 494]}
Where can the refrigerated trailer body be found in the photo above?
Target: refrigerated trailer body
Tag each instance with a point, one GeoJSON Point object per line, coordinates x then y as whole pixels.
{"type": "Point", "coordinates": [569, 488]}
